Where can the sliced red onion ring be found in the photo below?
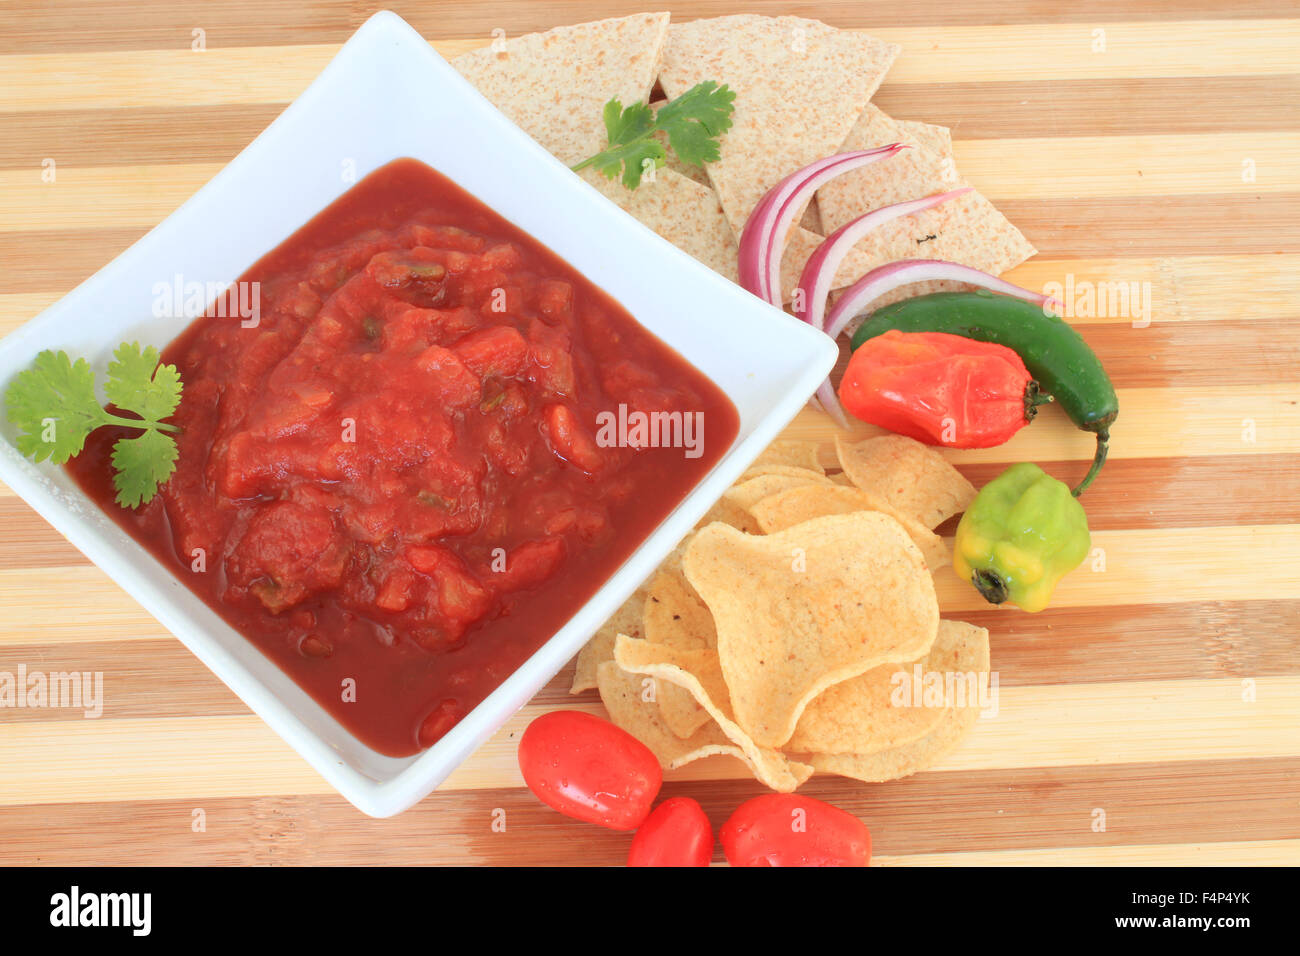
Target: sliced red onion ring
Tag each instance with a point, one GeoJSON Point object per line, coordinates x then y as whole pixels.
{"type": "Point", "coordinates": [819, 272]}
{"type": "Point", "coordinates": [887, 278]}
{"type": "Point", "coordinates": [762, 241]}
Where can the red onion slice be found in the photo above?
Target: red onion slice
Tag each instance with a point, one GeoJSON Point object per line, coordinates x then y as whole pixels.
{"type": "Point", "coordinates": [762, 241]}
{"type": "Point", "coordinates": [819, 272]}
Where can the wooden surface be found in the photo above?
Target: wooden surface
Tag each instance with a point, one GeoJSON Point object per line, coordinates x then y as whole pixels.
{"type": "Point", "coordinates": [1163, 690]}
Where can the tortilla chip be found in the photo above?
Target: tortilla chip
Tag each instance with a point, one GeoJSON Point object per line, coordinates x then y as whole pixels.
{"type": "Point", "coordinates": [812, 218]}
{"type": "Point", "coordinates": [791, 506]}
{"type": "Point", "coordinates": [816, 477]}
{"type": "Point", "coordinates": [598, 650]}
{"type": "Point", "coordinates": [793, 616]}
{"type": "Point", "coordinates": [678, 209]}
{"type": "Point", "coordinates": [749, 491]}
{"type": "Point", "coordinates": [675, 616]}
{"type": "Point", "coordinates": [623, 696]}
{"type": "Point", "coordinates": [687, 213]}
{"type": "Point", "coordinates": [699, 673]}
{"type": "Point", "coordinates": [626, 620]}
{"type": "Point", "coordinates": [911, 173]}
{"type": "Point", "coordinates": [800, 87]}
{"type": "Point", "coordinates": [554, 85]}
{"type": "Point", "coordinates": [800, 454]}
{"type": "Point", "coordinates": [968, 229]}
{"type": "Point", "coordinates": [937, 139]}
{"type": "Point", "coordinates": [910, 478]}
{"type": "Point", "coordinates": [970, 656]}
{"type": "Point", "coordinates": [727, 512]}
{"type": "Point", "coordinates": [869, 713]}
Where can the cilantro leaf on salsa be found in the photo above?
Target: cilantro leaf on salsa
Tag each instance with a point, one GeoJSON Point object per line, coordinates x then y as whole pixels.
{"type": "Point", "coordinates": [53, 402]}
{"type": "Point", "coordinates": [693, 122]}
{"type": "Point", "coordinates": [141, 464]}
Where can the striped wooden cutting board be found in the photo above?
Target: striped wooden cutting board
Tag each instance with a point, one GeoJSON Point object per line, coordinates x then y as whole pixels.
{"type": "Point", "coordinates": [1151, 716]}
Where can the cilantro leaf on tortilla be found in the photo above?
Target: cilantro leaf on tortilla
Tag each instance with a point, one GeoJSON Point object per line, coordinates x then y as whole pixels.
{"type": "Point", "coordinates": [631, 144]}
{"type": "Point", "coordinates": [695, 120]}
{"type": "Point", "coordinates": [692, 122]}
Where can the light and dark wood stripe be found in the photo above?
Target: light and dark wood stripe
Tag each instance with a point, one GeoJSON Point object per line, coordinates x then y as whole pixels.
{"type": "Point", "coordinates": [1162, 689]}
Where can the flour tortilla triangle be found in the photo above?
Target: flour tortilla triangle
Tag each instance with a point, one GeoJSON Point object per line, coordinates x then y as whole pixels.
{"type": "Point", "coordinates": [679, 209]}
{"type": "Point", "coordinates": [554, 85]}
{"type": "Point", "coordinates": [968, 229]}
{"type": "Point", "coordinates": [688, 214]}
{"type": "Point", "coordinates": [800, 86]}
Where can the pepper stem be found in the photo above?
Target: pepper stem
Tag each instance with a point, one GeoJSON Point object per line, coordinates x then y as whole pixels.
{"type": "Point", "coordinates": [990, 585]}
{"type": "Point", "coordinates": [1098, 459]}
{"type": "Point", "coordinates": [1033, 398]}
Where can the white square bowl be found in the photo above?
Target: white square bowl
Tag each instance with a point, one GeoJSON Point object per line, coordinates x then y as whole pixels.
{"type": "Point", "coordinates": [387, 95]}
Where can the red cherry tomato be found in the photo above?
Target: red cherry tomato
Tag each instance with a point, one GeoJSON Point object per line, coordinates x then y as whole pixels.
{"type": "Point", "coordinates": [676, 834]}
{"type": "Point", "coordinates": [785, 829]}
{"type": "Point", "coordinates": [589, 769]}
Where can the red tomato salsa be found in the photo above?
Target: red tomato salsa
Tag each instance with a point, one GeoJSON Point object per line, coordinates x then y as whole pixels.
{"type": "Point", "coordinates": [396, 482]}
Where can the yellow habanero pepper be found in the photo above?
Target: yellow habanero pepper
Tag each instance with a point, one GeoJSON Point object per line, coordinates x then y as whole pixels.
{"type": "Point", "coordinates": [1023, 533]}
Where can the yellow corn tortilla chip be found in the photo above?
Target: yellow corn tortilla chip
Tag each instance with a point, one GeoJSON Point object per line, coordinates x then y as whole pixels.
{"type": "Point", "coordinates": [626, 620]}
{"type": "Point", "coordinates": [869, 713]}
{"type": "Point", "coordinates": [969, 658]}
{"type": "Point", "coordinates": [623, 696]}
{"type": "Point", "coordinates": [800, 87]}
{"type": "Point", "coordinates": [910, 478]}
{"type": "Point", "coordinates": [808, 607]}
{"type": "Point", "coordinates": [554, 85]}
{"type": "Point", "coordinates": [698, 672]}
{"type": "Point", "coordinates": [800, 454]}
{"type": "Point", "coordinates": [729, 513]}
{"type": "Point", "coordinates": [675, 616]}
{"type": "Point", "coordinates": [747, 492]}
{"type": "Point", "coordinates": [968, 229]}
{"type": "Point", "coordinates": [791, 506]}
{"type": "Point", "coordinates": [790, 471]}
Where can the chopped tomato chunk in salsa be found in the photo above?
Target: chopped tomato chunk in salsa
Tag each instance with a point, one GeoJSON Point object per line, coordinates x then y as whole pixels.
{"type": "Point", "coordinates": [396, 476]}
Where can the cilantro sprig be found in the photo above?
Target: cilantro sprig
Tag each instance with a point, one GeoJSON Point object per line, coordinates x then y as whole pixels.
{"type": "Point", "coordinates": [53, 401]}
{"type": "Point", "coordinates": [693, 123]}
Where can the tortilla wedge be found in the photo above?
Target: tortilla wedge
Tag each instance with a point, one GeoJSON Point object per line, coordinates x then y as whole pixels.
{"type": "Point", "coordinates": [554, 85]}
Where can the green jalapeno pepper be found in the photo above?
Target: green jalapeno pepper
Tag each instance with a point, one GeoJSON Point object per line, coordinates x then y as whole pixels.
{"type": "Point", "coordinates": [1053, 352]}
{"type": "Point", "coordinates": [1023, 533]}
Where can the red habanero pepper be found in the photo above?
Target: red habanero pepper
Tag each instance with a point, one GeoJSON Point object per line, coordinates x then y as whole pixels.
{"type": "Point", "coordinates": [940, 389]}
